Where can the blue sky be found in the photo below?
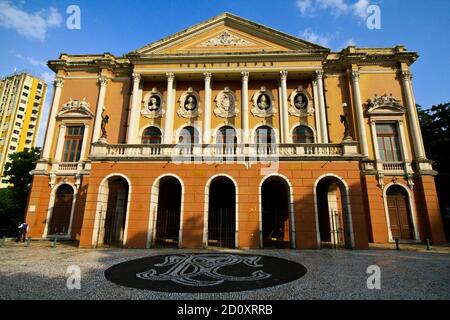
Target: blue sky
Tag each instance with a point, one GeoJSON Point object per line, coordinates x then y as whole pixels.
{"type": "Point", "coordinates": [34, 31]}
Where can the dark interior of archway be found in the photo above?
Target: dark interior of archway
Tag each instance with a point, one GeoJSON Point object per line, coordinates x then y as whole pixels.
{"type": "Point", "coordinates": [169, 208]}
{"type": "Point", "coordinates": [399, 214]}
{"type": "Point", "coordinates": [116, 212]}
{"type": "Point", "coordinates": [275, 213]}
{"type": "Point", "coordinates": [325, 228]}
{"type": "Point", "coordinates": [60, 219]}
{"type": "Point", "coordinates": [222, 213]}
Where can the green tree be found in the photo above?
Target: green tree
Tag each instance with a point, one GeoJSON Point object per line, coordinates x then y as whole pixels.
{"type": "Point", "coordinates": [13, 200]}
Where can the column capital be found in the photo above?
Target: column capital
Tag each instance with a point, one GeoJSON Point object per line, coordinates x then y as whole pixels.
{"type": "Point", "coordinates": [102, 80]}
{"type": "Point", "coordinates": [354, 74]}
{"type": "Point", "coordinates": [283, 75]}
{"type": "Point", "coordinates": [59, 82]}
{"type": "Point", "coordinates": [245, 75]}
{"type": "Point", "coordinates": [405, 75]}
{"type": "Point", "coordinates": [319, 75]}
{"type": "Point", "coordinates": [136, 77]}
{"type": "Point", "coordinates": [62, 125]}
{"type": "Point", "coordinates": [170, 76]}
{"type": "Point", "coordinates": [207, 75]}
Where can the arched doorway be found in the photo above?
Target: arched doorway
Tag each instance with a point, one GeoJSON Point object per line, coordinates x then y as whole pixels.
{"type": "Point", "coordinates": [333, 213]}
{"type": "Point", "coordinates": [151, 135]}
{"type": "Point", "coordinates": [222, 213]}
{"type": "Point", "coordinates": [62, 211]}
{"type": "Point", "coordinates": [112, 209]}
{"type": "Point", "coordinates": [168, 213]}
{"type": "Point", "coordinates": [275, 213]}
{"type": "Point", "coordinates": [400, 219]}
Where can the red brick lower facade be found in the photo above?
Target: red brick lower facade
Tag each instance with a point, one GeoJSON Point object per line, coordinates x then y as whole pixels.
{"type": "Point", "coordinates": [359, 204]}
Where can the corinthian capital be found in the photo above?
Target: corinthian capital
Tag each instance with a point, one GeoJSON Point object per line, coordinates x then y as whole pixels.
{"type": "Point", "coordinates": [355, 74]}
{"type": "Point", "coordinates": [245, 75]}
{"type": "Point", "coordinates": [103, 81]}
{"type": "Point", "coordinates": [406, 75]}
{"type": "Point", "coordinates": [207, 75]}
{"type": "Point", "coordinates": [170, 76]}
{"type": "Point", "coordinates": [283, 75]}
{"type": "Point", "coordinates": [319, 75]}
{"type": "Point", "coordinates": [59, 82]}
{"type": "Point", "coordinates": [136, 77]}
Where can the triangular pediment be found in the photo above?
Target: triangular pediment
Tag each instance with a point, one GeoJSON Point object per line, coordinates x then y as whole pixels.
{"type": "Point", "coordinates": [226, 34]}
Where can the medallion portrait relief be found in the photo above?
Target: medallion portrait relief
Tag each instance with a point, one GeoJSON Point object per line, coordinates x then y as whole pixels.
{"type": "Point", "coordinates": [153, 104]}
{"type": "Point", "coordinates": [189, 104]}
{"type": "Point", "coordinates": [226, 104]}
{"type": "Point", "coordinates": [301, 103]}
{"type": "Point", "coordinates": [263, 103]}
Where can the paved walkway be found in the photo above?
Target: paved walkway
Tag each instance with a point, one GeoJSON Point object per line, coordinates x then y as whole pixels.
{"type": "Point", "coordinates": [40, 272]}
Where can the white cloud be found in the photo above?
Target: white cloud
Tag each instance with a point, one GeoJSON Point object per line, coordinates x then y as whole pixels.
{"type": "Point", "coordinates": [31, 60]}
{"type": "Point", "coordinates": [30, 25]}
{"type": "Point", "coordinates": [360, 8]}
{"type": "Point", "coordinates": [304, 6]}
{"type": "Point", "coordinates": [309, 35]}
{"type": "Point", "coordinates": [337, 7]}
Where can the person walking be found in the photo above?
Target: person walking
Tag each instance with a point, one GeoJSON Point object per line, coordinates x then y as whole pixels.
{"type": "Point", "coordinates": [23, 229]}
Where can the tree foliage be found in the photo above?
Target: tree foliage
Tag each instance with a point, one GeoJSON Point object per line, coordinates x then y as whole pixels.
{"type": "Point", "coordinates": [435, 124]}
{"type": "Point", "coordinates": [13, 200]}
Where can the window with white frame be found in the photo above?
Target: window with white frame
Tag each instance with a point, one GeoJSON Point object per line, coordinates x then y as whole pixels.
{"type": "Point", "coordinates": [388, 142]}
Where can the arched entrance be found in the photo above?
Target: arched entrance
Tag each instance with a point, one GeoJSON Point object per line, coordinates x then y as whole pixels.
{"type": "Point", "coordinates": [168, 213]}
{"type": "Point", "coordinates": [400, 218]}
{"type": "Point", "coordinates": [222, 213]}
{"type": "Point", "coordinates": [275, 213]}
{"type": "Point", "coordinates": [112, 209]}
{"type": "Point", "coordinates": [62, 211]}
{"type": "Point", "coordinates": [333, 213]}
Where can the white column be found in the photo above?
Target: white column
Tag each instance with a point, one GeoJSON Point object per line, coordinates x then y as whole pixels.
{"type": "Point", "coordinates": [60, 143]}
{"type": "Point", "coordinates": [359, 114]}
{"type": "Point", "coordinates": [133, 124]}
{"type": "Point", "coordinates": [244, 106]}
{"type": "Point", "coordinates": [168, 120]}
{"type": "Point", "coordinates": [412, 116]}
{"type": "Point", "coordinates": [323, 111]}
{"type": "Point", "coordinates": [58, 84]}
{"type": "Point", "coordinates": [103, 81]}
{"type": "Point", "coordinates": [317, 112]}
{"type": "Point", "coordinates": [207, 115]}
{"type": "Point", "coordinates": [85, 142]}
{"type": "Point", "coordinates": [284, 115]}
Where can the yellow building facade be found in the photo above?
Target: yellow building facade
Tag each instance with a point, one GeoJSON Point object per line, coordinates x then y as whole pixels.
{"type": "Point", "coordinates": [233, 134]}
{"type": "Point", "coordinates": [22, 97]}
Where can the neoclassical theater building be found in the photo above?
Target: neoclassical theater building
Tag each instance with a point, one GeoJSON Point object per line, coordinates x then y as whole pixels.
{"type": "Point", "coordinates": [232, 134]}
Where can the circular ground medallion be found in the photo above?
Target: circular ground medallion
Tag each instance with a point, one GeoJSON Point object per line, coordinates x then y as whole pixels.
{"type": "Point", "coordinates": [205, 272]}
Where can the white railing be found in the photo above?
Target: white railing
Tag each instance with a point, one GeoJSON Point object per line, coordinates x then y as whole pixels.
{"type": "Point", "coordinates": [158, 151]}
{"type": "Point", "coordinates": [393, 166]}
{"type": "Point", "coordinates": [68, 166]}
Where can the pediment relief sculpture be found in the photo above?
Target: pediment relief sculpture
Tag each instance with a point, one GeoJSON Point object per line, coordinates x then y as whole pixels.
{"type": "Point", "coordinates": [300, 103]}
{"type": "Point", "coordinates": [189, 104]}
{"type": "Point", "coordinates": [153, 105]}
{"type": "Point", "coordinates": [225, 39]}
{"type": "Point", "coordinates": [263, 103]}
{"type": "Point", "coordinates": [75, 109]}
{"type": "Point", "coordinates": [385, 104]}
{"type": "Point", "coordinates": [226, 104]}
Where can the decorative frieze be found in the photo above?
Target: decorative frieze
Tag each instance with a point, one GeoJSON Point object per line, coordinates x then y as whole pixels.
{"type": "Point", "coordinates": [226, 39]}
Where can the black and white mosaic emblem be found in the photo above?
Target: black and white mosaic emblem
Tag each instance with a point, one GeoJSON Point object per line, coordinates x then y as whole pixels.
{"type": "Point", "coordinates": [205, 272]}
